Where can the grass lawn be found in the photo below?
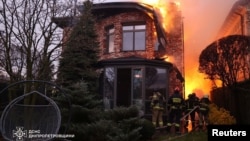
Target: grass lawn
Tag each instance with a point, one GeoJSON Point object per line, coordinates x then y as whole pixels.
{"type": "Point", "coordinates": [192, 136]}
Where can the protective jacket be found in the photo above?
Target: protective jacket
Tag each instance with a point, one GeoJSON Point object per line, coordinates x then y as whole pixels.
{"type": "Point", "coordinates": [157, 102]}
{"type": "Point", "coordinates": [176, 101]}
{"type": "Point", "coordinates": [191, 102]}
{"type": "Point", "coordinates": [204, 104]}
{"type": "Point", "coordinates": [175, 107]}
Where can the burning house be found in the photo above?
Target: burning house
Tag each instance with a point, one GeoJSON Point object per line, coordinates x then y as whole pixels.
{"type": "Point", "coordinates": [141, 50]}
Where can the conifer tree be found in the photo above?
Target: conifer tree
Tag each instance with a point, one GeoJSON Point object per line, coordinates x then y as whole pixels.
{"type": "Point", "coordinates": [78, 77]}
{"type": "Point", "coordinates": [80, 55]}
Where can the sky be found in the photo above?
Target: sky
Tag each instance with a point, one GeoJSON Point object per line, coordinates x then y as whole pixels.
{"type": "Point", "coordinates": [202, 20]}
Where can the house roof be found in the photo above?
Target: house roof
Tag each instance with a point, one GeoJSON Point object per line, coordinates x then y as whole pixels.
{"type": "Point", "coordinates": [111, 8]}
{"type": "Point", "coordinates": [237, 10]}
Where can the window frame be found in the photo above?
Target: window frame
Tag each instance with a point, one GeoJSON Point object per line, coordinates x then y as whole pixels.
{"type": "Point", "coordinates": [134, 31]}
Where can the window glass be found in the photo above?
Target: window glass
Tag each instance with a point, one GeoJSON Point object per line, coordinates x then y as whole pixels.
{"type": "Point", "coordinates": [111, 30]}
{"type": "Point", "coordinates": [140, 40]}
{"type": "Point", "coordinates": [110, 39]}
{"type": "Point", "coordinates": [127, 28]}
{"type": "Point", "coordinates": [134, 37]}
{"type": "Point", "coordinates": [137, 83]}
{"type": "Point", "coordinates": [111, 47]}
{"type": "Point", "coordinates": [155, 79]}
{"type": "Point", "coordinates": [127, 41]}
{"type": "Point", "coordinates": [137, 90]}
{"type": "Point", "coordinates": [109, 79]}
{"type": "Point", "coordinates": [140, 27]}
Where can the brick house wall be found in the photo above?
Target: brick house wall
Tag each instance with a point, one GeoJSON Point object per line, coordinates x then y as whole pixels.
{"type": "Point", "coordinates": [117, 21]}
{"type": "Point", "coordinates": [174, 46]}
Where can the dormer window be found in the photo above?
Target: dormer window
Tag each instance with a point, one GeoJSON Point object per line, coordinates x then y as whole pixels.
{"type": "Point", "coordinates": [134, 37]}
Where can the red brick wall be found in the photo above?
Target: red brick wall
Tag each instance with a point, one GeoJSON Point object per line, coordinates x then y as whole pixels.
{"type": "Point", "coordinates": [117, 21]}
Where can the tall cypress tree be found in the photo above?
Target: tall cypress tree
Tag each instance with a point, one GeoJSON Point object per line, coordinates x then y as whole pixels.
{"type": "Point", "coordinates": [80, 56]}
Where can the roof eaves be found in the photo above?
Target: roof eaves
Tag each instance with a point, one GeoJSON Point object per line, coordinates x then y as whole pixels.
{"type": "Point", "coordinates": [237, 8]}
{"type": "Point", "coordinates": [135, 61]}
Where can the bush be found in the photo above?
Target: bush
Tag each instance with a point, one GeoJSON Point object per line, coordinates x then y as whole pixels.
{"type": "Point", "coordinates": [120, 113]}
{"type": "Point", "coordinates": [147, 130]}
{"type": "Point", "coordinates": [119, 124]}
{"type": "Point", "coordinates": [220, 116]}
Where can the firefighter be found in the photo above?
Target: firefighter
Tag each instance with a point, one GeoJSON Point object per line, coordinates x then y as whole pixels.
{"type": "Point", "coordinates": [191, 103]}
{"type": "Point", "coordinates": [175, 107]}
{"type": "Point", "coordinates": [157, 103]}
{"type": "Point", "coordinates": [203, 111]}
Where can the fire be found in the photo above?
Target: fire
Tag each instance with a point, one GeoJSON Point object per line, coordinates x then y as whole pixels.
{"type": "Point", "coordinates": [168, 58]}
{"type": "Point", "coordinates": [194, 81]}
{"type": "Point", "coordinates": [151, 2]}
{"type": "Point", "coordinates": [162, 7]}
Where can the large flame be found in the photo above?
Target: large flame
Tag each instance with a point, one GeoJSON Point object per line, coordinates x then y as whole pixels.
{"type": "Point", "coordinates": [194, 81]}
{"type": "Point", "coordinates": [162, 7]}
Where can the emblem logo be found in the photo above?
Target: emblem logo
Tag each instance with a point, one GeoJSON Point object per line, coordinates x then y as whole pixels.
{"type": "Point", "coordinates": [19, 133]}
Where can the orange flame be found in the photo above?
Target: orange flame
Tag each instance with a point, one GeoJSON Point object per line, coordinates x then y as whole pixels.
{"type": "Point", "coordinates": [162, 9]}
{"type": "Point", "coordinates": [194, 81]}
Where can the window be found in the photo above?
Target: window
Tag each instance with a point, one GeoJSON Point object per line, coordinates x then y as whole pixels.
{"type": "Point", "coordinates": [110, 39]}
{"type": "Point", "coordinates": [134, 37]}
{"type": "Point", "coordinates": [137, 90]}
{"type": "Point", "coordinates": [155, 79]}
{"type": "Point", "coordinates": [137, 84]}
{"type": "Point", "coordinates": [109, 79]}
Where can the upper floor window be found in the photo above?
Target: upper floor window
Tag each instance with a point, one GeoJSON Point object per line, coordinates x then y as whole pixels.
{"type": "Point", "coordinates": [134, 37]}
{"type": "Point", "coordinates": [110, 39]}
